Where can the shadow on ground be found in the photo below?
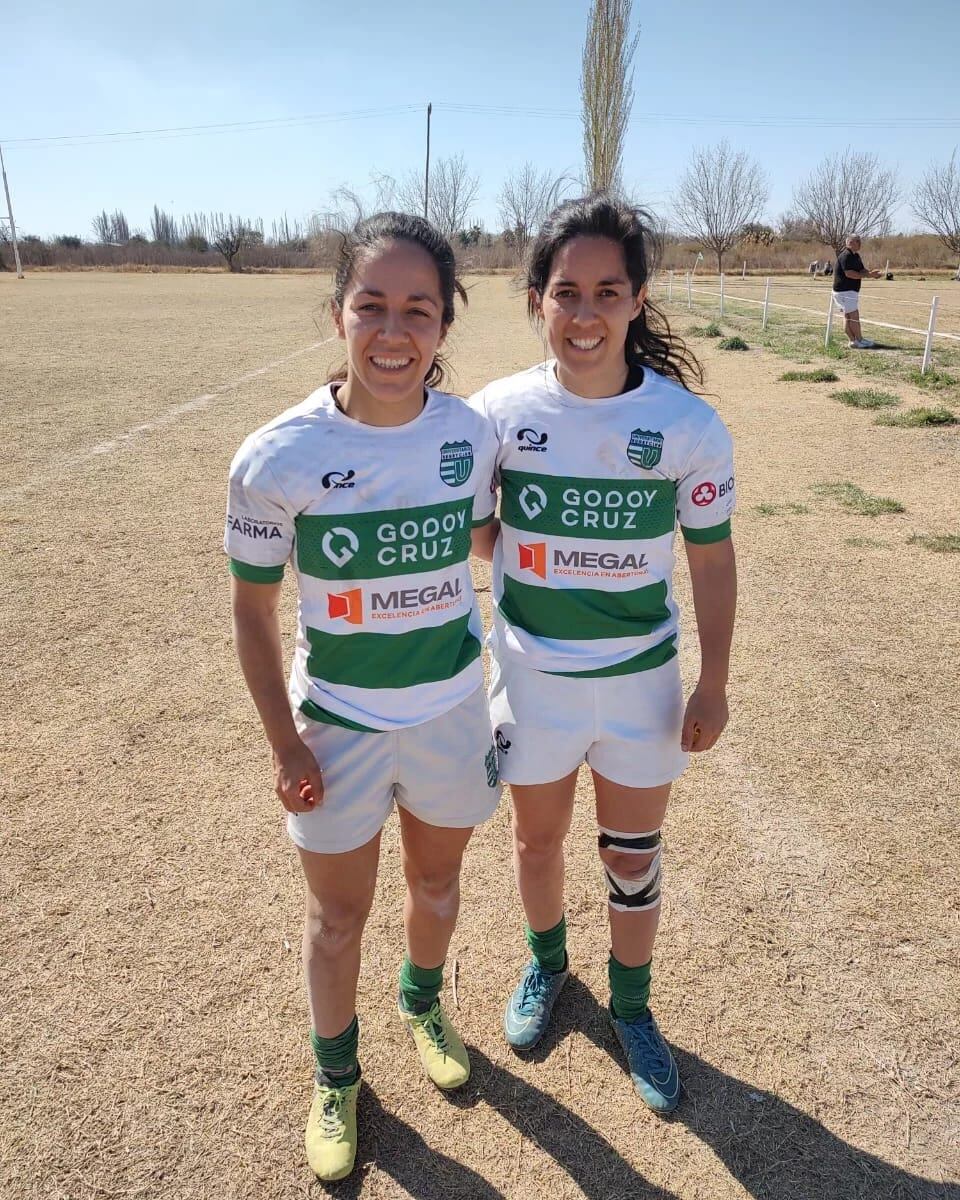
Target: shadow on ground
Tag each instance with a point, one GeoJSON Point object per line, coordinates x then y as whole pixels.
{"type": "Point", "coordinates": [771, 1148]}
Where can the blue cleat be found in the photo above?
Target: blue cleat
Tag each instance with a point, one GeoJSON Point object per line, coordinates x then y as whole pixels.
{"type": "Point", "coordinates": [652, 1069]}
{"type": "Point", "coordinates": [528, 1009]}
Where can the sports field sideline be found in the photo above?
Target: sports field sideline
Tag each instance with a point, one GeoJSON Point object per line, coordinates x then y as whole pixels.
{"type": "Point", "coordinates": [152, 1020]}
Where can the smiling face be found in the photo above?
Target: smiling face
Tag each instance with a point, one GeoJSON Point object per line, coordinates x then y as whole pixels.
{"type": "Point", "coordinates": [392, 322]}
{"type": "Point", "coordinates": [586, 307]}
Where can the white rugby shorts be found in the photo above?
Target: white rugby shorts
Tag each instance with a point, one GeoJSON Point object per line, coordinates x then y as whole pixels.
{"type": "Point", "coordinates": [626, 727]}
{"type": "Point", "coordinates": [847, 302]}
{"type": "Point", "coordinates": [443, 771]}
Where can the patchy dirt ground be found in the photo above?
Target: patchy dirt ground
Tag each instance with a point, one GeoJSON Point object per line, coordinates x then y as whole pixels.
{"type": "Point", "coordinates": [152, 1024]}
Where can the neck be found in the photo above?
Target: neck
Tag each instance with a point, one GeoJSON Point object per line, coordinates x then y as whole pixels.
{"type": "Point", "coordinates": [607, 381]}
{"type": "Point", "coordinates": [361, 405]}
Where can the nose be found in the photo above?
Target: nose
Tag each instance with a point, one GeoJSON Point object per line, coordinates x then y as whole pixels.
{"type": "Point", "coordinates": [393, 328]}
{"type": "Point", "coordinates": [584, 313]}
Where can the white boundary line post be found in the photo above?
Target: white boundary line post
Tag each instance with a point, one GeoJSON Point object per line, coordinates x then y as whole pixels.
{"type": "Point", "coordinates": [826, 340]}
{"type": "Point", "coordinates": [721, 293]}
{"type": "Point", "coordinates": [13, 228]}
{"type": "Point", "coordinates": [689, 293]}
{"type": "Point", "coordinates": [928, 345]}
{"type": "Point", "coordinates": [766, 303]}
{"type": "Point", "coordinates": [670, 287]}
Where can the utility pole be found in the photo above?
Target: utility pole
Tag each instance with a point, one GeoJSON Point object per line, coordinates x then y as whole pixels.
{"type": "Point", "coordinates": [426, 174]}
{"type": "Point", "coordinates": [13, 228]}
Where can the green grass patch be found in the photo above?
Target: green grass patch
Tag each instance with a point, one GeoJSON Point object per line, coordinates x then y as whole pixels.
{"type": "Point", "coordinates": [933, 381]}
{"type": "Point", "coordinates": [940, 543]}
{"type": "Point", "coordinates": [865, 543]}
{"type": "Point", "coordinates": [707, 331]}
{"type": "Point", "coordinates": [732, 343]}
{"type": "Point", "coordinates": [819, 375]}
{"type": "Point", "coordinates": [791, 508]}
{"type": "Point", "coordinates": [866, 398]}
{"type": "Point", "coordinates": [916, 418]}
{"type": "Point", "coordinates": [854, 499]}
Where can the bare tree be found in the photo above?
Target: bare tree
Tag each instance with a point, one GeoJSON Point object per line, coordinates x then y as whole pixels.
{"type": "Point", "coordinates": [111, 228]}
{"type": "Point", "coordinates": [936, 201]}
{"type": "Point", "coordinates": [848, 193]}
{"type": "Point", "coordinates": [720, 192]}
{"type": "Point", "coordinates": [527, 196]}
{"type": "Point", "coordinates": [606, 90]}
{"type": "Point", "coordinates": [164, 227]}
{"type": "Point", "coordinates": [453, 193]}
{"type": "Point", "coordinates": [230, 234]}
{"type": "Point", "coordinates": [795, 227]}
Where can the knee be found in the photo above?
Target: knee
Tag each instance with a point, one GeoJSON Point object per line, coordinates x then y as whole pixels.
{"type": "Point", "coordinates": [536, 847]}
{"type": "Point", "coordinates": [330, 929]}
{"type": "Point", "coordinates": [632, 874]}
{"type": "Point", "coordinates": [436, 885]}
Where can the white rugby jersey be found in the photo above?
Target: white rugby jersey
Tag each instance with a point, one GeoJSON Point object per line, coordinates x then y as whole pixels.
{"type": "Point", "coordinates": [376, 521]}
{"type": "Point", "coordinates": [590, 495]}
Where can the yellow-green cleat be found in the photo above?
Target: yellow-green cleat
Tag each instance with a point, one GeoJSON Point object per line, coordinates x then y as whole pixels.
{"type": "Point", "coordinates": [331, 1137]}
{"type": "Point", "coordinates": [441, 1051]}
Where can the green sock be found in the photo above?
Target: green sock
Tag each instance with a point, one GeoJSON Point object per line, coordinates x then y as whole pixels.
{"type": "Point", "coordinates": [337, 1056]}
{"type": "Point", "coordinates": [629, 989]}
{"type": "Point", "coordinates": [550, 947]}
{"type": "Point", "coordinates": [419, 986]}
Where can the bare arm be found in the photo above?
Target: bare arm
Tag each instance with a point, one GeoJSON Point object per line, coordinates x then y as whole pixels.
{"type": "Point", "coordinates": [713, 575]}
{"type": "Point", "coordinates": [256, 632]}
{"type": "Point", "coordinates": [484, 538]}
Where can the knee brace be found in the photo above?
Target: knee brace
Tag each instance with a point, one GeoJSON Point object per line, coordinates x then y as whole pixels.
{"type": "Point", "coordinates": [633, 895]}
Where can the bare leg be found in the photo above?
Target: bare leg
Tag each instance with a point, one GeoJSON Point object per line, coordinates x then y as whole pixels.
{"type": "Point", "coordinates": [851, 323]}
{"type": "Point", "coordinates": [340, 891]}
{"type": "Point", "coordinates": [431, 857]}
{"type": "Point", "coordinates": [630, 810]}
{"type": "Point", "coordinates": [541, 820]}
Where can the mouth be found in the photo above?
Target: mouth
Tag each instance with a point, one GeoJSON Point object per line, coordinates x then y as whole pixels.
{"type": "Point", "coordinates": [585, 344]}
{"type": "Point", "coordinates": [390, 362]}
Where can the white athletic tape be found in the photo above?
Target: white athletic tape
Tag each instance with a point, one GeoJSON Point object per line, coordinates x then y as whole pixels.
{"type": "Point", "coordinates": [169, 417]}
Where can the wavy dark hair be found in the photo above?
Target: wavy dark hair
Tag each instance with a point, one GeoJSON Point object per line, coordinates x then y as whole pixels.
{"type": "Point", "coordinates": [649, 340]}
{"type": "Point", "coordinates": [368, 235]}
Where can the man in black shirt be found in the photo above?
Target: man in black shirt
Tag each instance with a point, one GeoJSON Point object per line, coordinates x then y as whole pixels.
{"type": "Point", "coordinates": [846, 291]}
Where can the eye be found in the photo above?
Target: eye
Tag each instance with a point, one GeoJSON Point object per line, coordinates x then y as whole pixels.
{"type": "Point", "coordinates": [607, 293]}
{"type": "Point", "coordinates": [369, 307]}
{"type": "Point", "coordinates": [419, 312]}
{"type": "Point", "coordinates": [562, 293]}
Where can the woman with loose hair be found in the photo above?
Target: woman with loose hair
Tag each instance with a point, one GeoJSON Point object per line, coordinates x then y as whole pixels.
{"type": "Point", "coordinates": [372, 488]}
{"type": "Point", "coordinates": [602, 449]}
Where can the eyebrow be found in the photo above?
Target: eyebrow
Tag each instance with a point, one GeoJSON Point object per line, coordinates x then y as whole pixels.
{"type": "Point", "coordinates": [600, 282]}
{"type": "Point", "coordinates": [415, 296]}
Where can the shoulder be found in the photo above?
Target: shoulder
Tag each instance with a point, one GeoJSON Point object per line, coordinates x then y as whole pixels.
{"type": "Point", "coordinates": [284, 436]}
{"type": "Point", "coordinates": [684, 406]}
{"type": "Point", "coordinates": [499, 396]}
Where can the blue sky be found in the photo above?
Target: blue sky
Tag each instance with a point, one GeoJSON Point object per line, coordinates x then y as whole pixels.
{"type": "Point", "coordinates": [703, 72]}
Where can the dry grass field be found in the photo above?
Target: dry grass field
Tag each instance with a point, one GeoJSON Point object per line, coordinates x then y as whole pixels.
{"type": "Point", "coordinates": [152, 1024]}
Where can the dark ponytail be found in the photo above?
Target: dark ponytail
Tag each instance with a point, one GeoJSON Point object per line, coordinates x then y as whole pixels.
{"type": "Point", "coordinates": [649, 340]}
{"type": "Point", "coordinates": [373, 232]}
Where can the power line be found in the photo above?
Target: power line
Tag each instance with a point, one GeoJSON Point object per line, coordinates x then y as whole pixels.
{"type": "Point", "coordinates": [166, 133]}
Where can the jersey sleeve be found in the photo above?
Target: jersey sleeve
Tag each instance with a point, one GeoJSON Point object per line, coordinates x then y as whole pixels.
{"type": "Point", "coordinates": [260, 525]}
{"type": "Point", "coordinates": [705, 491]}
{"type": "Point", "coordinates": [485, 500]}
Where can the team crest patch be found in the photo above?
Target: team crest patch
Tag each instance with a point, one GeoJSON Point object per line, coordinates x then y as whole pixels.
{"type": "Point", "coordinates": [490, 762]}
{"type": "Point", "coordinates": [456, 463]}
{"type": "Point", "coordinates": [644, 448]}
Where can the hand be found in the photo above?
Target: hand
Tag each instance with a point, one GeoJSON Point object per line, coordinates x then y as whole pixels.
{"type": "Point", "coordinates": [705, 718]}
{"type": "Point", "coordinates": [875, 274]}
{"type": "Point", "coordinates": [297, 778]}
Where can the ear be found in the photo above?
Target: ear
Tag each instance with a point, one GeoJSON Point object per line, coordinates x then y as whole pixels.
{"type": "Point", "coordinates": [638, 302]}
{"type": "Point", "coordinates": [537, 301]}
{"type": "Point", "coordinates": [337, 315]}
{"type": "Point", "coordinates": [444, 330]}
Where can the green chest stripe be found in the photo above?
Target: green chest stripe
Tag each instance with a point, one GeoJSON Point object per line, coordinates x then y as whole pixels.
{"type": "Point", "coordinates": [375, 545]}
{"type": "Point", "coordinates": [392, 660]}
{"type": "Point", "coordinates": [646, 660]}
{"type": "Point", "coordinates": [583, 614]}
{"type": "Point", "coordinates": [605, 509]}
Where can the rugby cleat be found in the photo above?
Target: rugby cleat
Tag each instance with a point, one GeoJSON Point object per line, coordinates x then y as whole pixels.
{"type": "Point", "coordinates": [652, 1068]}
{"type": "Point", "coordinates": [442, 1053]}
{"type": "Point", "coordinates": [528, 1010]}
{"type": "Point", "coordinates": [331, 1137]}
